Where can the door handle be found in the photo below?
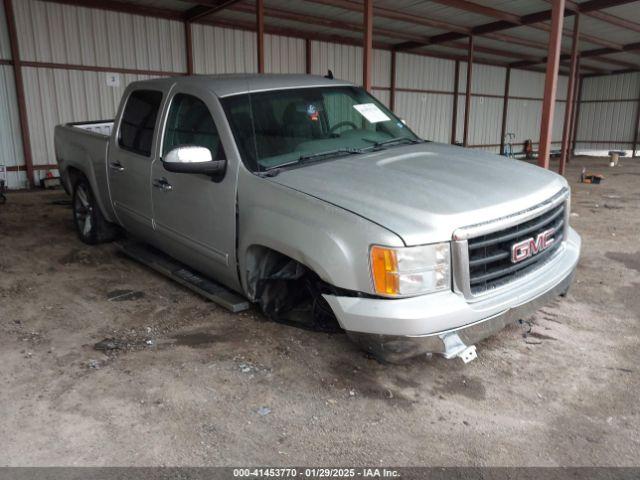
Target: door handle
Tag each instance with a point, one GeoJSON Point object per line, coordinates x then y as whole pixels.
{"type": "Point", "coordinates": [117, 166]}
{"type": "Point", "coordinates": [162, 184]}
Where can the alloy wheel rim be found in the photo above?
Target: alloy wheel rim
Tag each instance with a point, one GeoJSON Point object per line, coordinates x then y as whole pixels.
{"type": "Point", "coordinates": [83, 210]}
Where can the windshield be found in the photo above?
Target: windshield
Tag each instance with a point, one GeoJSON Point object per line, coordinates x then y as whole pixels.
{"type": "Point", "coordinates": [285, 127]}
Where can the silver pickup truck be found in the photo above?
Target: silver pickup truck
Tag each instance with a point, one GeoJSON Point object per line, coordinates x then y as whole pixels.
{"type": "Point", "coordinates": [307, 196]}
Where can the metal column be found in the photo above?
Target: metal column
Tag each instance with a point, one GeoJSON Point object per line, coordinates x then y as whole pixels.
{"type": "Point", "coordinates": [260, 34]}
{"type": "Point", "coordinates": [568, 110]}
{"type": "Point", "coordinates": [505, 109]}
{"type": "Point", "coordinates": [22, 106]}
{"type": "Point", "coordinates": [367, 44]}
{"type": "Point", "coordinates": [551, 83]}
{"type": "Point", "coordinates": [467, 99]}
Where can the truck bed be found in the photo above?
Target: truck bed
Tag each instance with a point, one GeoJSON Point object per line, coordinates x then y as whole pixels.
{"type": "Point", "coordinates": [82, 147]}
{"type": "Point", "coordinates": [100, 127]}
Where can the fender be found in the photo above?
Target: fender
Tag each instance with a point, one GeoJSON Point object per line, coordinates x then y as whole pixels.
{"type": "Point", "coordinates": [332, 242]}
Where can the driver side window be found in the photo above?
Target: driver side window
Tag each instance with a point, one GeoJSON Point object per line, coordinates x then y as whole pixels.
{"type": "Point", "coordinates": [191, 123]}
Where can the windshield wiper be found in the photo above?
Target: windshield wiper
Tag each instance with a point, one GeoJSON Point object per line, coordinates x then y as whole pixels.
{"type": "Point", "coordinates": [389, 141]}
{"type": "Point", "coordinates": [303, 158]}
{"type": "Point", "coordinates": [328, 153]}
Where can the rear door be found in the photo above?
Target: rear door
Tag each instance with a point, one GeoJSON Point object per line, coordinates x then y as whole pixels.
{"type": "Point", "coordinates": [195, 214]}
{"type": "Point", "coordinates": [130, 158]}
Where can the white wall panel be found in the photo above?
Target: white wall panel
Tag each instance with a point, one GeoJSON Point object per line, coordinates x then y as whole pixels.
{"type": "Point", "coordinates": [606, 125]}
{"type": "Point", "coordinates": [424, 73]}
{"type": "Point", "coordinates": [284, 54]}
{"type": "Point", "coordinates": [485, 79]}
{"type": "Point", "coordinates": [523, 119]}
{"type": "Point", "coordinates": [524, 83]}
{"type": "Point", "coordinates": [427, 114]}
{"type": "Point", "coordinates": [485, 121]}
{"type": "Point", "coordinates": [11, 153]}
{"type": "Point", "coordinates": [381, 68]}
{"type": "Point", "coordinates": [55, 96]}
{"type": "Point", "coordinates": [613, 87]}
{"type": "Point", "coordinates": [52, 32]}
{"type": "Point", "coordinates": [383, 95]}
{"type": "Point", "coordinates": [223, 50]}
{"type": "Point", "coordinates": [5, 47]}
{"type": "Point", "coordinates": [345, 61]}
{"type": "Point", "coordinates": [607, 121]}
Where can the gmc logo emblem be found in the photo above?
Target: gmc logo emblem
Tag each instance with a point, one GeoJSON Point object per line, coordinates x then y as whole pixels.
{"type": "Point", "coordinates": [532, 246]}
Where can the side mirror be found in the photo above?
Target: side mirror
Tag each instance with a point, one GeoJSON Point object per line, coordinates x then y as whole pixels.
{"type": "Point", "coordinates": [192, 159]}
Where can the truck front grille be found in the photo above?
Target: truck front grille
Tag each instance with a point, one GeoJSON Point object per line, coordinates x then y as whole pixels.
{"type": "Point", "coordinates": [490, 263]}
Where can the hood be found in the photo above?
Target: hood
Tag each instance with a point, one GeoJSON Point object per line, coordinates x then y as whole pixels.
{"type": "Point", "coordinates": [424, 192]}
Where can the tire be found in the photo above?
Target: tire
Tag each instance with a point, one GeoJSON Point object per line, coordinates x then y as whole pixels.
{"type": "Point", "coordinates": [91, 226]}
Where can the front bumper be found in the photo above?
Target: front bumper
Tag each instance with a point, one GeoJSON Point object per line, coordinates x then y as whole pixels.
{"type": "Point", "coordinates": [398, 329]}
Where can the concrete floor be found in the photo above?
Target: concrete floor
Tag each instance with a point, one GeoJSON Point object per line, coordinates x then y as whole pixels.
{"type": "Point", "coordinates": [565, 395]}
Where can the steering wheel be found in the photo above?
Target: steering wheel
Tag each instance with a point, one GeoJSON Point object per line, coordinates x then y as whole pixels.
{"type": "Point", "coordinates": [346, 123]}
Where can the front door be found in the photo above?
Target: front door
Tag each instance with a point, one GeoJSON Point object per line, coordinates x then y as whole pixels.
{"type": "Point", "coordinates": [194, 214]}
{"type": "Point", "coordinates": [129, 162]}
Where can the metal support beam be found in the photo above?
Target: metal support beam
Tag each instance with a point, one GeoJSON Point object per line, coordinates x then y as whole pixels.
{"type": "Point", "coordinates": [367, 46]}
{"type": "Point", "coordinates": [551, 84]}
{"type": "Point", "coordinates": [577, 86]}
{"type": "Point", "coordinates": [17, 74]}
{"type": "Point", "coordinates": [206, 8]}
{"type": "Point", "coordinates": [307, 56]}
{"type": "Point", "coordinates": [392, 83]}
{"type": "Point", "coordinates": [456, 90]}
{"type": "Point", "coordinates": [636, 135]}
{"type": "Point", "coordinates": [467, 99]}
{"type": "Point", "coordinates": [189, 46]}
{"type": "Point", "coordinates": [568, 109]}
{"type": "Point", "coordinates": [260, 34]}
{"type": "Point", "coordinates": [576, 118]}
{"type": "Point", "coordinates": [505, 109]}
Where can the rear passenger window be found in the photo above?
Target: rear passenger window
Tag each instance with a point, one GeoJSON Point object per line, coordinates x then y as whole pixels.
{"type": "Point", "coordinates": [191, 123]}
{"type": "Point", "coordinates": [139, 120]}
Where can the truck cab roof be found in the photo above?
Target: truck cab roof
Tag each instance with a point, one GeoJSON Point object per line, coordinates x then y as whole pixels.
{"type": "Point", "coordinates": [235, 84]}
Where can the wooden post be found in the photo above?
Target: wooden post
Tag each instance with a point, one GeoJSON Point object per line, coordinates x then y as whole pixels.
{"type": "Point", "coordinates": [22, 106]}
{"type": "Point", "coordinates": [568, 109]}
{"type": "Point", "coordinates": [505, 109]}
{"type": "Point", "coordinates": [367, 44]}
{"type": "Point", "coordinates": [551, 83]}
{"type": "Point", "coordinates": [467, 99]}
{"type": "Point", "coordinates": [260, 34]}
{"type": "Point", "coordinates": [456, 90]}
{"type": "Point", "coordinates": [189, 45]}
{"type": "Point", "coordinates": [392, 92]}
{"type": "Point", "coordinates": [307, 56]}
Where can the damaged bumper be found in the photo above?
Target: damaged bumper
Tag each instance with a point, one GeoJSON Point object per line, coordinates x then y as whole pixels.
{"type": "Point", "coordinates": [446, 322]}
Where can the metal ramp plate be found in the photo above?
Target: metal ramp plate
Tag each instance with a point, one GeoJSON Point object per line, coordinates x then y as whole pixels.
{"type": "Point", "coordinates": [170, 267]}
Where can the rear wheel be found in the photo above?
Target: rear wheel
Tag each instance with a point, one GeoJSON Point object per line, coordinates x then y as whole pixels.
{"type": "Point", "coordinates": [90, 224]}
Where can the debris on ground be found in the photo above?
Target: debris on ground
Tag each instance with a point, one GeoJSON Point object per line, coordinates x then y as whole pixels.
{"type": "Point", "coordinates": [94, 364]}
{"type": "Point", "coordinates": [594, 178]}
{"type": "Point", "coordinates": [262, 411]}
{"type": "Point", "coordinates": [112, 344]}
{"type": "Point", "coordinates": [124, 295]}
{"type": "Point", "coordinates": [109, 344]}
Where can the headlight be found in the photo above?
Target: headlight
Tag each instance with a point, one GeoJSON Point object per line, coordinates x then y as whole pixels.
{"type": "Point", "coordinates": [399, 272]}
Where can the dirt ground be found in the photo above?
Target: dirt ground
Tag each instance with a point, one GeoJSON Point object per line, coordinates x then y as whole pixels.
{"type": "Point", "coordinates": [191, 384]}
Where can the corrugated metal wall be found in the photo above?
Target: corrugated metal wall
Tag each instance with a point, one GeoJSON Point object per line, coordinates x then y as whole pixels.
{"type": "Point", "coordinates": [608, 110]}
{"type": "Point", "coordinates": [62, 43]}
{"type": "Point", "coordinates": [55, 34]}
{"type": "Point", "coordinates": [11, 154]}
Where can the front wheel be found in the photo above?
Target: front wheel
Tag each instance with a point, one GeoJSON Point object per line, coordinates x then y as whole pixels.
{"type": "Point", "coordinates": [90, 224]}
